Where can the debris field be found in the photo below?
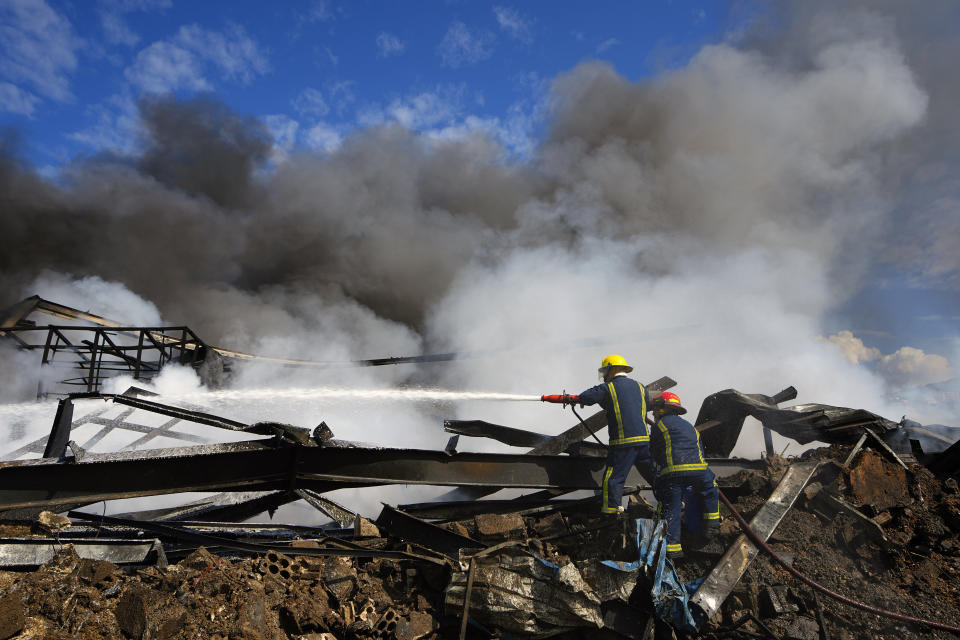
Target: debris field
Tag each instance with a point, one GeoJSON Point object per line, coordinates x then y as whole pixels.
{"type": "Point", "coordinates": [874, 516]}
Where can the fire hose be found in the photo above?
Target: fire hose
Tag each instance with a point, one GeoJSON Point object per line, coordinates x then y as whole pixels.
{"type": "Point", "coordinates": [822, 589]}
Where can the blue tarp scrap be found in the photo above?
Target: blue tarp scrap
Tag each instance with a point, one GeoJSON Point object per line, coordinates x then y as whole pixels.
{"type": "Point", "coordinates": [670, 596]}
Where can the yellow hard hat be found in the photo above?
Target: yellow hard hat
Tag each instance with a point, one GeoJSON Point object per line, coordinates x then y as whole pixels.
{"type": "Point", "coordinates": [615, 361]}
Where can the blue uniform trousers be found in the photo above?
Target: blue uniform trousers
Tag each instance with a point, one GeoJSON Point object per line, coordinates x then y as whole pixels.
{"type": "Point", "coordinates": [669, 490]}
{"type": "Point", "coordinates": [619, 461]}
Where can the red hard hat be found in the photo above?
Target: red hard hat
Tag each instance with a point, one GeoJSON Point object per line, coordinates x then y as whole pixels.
{"type": "Point", "coordinates": [672, 401]}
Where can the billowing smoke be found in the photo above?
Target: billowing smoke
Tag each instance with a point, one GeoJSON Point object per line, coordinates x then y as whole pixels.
{"type": "Point", "coordinates": [702, 222]}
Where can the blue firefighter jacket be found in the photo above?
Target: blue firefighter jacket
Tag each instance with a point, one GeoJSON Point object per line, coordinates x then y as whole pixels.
{"type": "Point", "coordinates": [675, 446]}
{"type": "Point", "coordinates": [625, 401]}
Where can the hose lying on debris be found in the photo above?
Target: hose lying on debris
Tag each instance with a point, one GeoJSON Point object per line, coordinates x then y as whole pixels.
{"type": "Point", "coordinates": [836, 596]}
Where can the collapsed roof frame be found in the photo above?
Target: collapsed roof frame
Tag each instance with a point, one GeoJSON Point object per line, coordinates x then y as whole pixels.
{"type": "Point", "coordinates": [292, 459]}
{"type": "Point", "coordinates": [147, 348]}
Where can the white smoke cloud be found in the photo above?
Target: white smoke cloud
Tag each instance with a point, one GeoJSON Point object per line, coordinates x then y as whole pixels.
{"type": "Point", "coordinates": [92, 294]}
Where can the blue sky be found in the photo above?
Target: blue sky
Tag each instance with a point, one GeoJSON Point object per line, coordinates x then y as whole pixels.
{"type": "Point", "coordinates": [317, 69]}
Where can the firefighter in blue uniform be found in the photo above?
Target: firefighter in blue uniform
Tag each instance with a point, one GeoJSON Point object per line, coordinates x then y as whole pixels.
{"type": "Point", "coordinates": [625, 402]}
{"type": "Point", "coordinates": [676, 449]}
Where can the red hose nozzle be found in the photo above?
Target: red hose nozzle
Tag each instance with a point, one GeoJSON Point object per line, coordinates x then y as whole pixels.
{"type": "Point", "coordinates": [561, 398]}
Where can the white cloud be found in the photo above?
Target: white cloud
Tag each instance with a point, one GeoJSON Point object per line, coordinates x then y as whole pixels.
{"type": "Point", "coordinates": [460, 47]}
{"type": "Point", "coordinates": [441, 115]}
{"type": "Point", "coordinates": [164, 67]}
{"type": "Point", "coordinates": [912, 366]}
{"type": "Point", "coordinates": [331, 56]}
{"type": "Point", "coordinates": [234, 53]}
{"type": "Point", "coordinates": [13, 99]}
{"type": "Point", "coordinates": [310, 102]}
{"type": "Point", "coordinates": [184, 61]}
{"type": "Point", "coordinates": [513, 23]}
{"type": "Point", "coordinates": [907, 366]}
{"type": "Point", "coordinates": [341, 94]}
{"type": "Point", "coordinates": [116, 125]}
{"type": "Point", "coordinates": [428, 108]}
{"type": "Point", "coordinates": [115, 27]}
{"type": "Point", "coordinates": [283, 129]}
{"type": "Point", "coordinates": [607, 44]}
{"type": "Point", "coordinates": [323, 137]}
{"type": "Point", "coordinates": [318, 11]}
{"type": "Point", "coordinates": [389, 45]}
{"type": "Point", "coordinates": [853, 348]}
{"type": "Point", "coordinates": [127, 6]}
{"type": "Point", "coordinates": [37, 47]}
{"type": "Point", "coordinates": [440, 106]}
{"type": "Point", "coordinates": [117, 30]}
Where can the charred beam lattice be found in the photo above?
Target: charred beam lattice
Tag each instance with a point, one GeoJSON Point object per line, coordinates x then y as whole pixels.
{"type": "Point", "coordinates": [96, 352]}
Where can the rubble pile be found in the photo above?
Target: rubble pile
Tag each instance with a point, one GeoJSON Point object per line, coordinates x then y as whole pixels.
{"type": "Point", "coordinates": [873, 531]}
{"type": "Point", "coordinates": [219, 597]}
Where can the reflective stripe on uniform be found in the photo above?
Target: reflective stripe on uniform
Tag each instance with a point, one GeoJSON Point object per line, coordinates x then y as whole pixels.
{"type": "Point", "coordinates": [633, 440]}
{"type": "Point", "coordinates": [700, 449]}
{"type": "Point", "coordinates": [643, 407]}
{"type": "Point", "coordinates": [606, 484]}
{"type": "Point", "coordinates": [616, 410]}
{"type": "Point", "coordinates": [674, 547]}
{"type": "Point", "coordinates": [712, 516]}
{"type": "Point", "coordinates": [696, 466]}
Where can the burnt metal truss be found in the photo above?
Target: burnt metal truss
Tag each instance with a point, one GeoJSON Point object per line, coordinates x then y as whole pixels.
{"type": "Point", "coordinates": [96, 348]}
{"type": "Point", "coordinates": [289, 461]}
{"type": "Point", "coordinates": [97, 353]}
{"type": "Point", "coordinates": [57, 443]}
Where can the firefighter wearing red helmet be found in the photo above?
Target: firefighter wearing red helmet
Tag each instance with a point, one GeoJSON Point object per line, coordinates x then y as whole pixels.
{"type": "Point", "coordinates": [678, 454]}
{"type": "Point", "coordinates": [626, 403]}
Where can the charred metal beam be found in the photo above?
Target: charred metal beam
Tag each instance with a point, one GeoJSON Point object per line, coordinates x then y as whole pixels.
{"type": "Point", "coordinates": [523, 438]}
{"type": "Point", "coordinates": [424, 534]}
{"type": "Point", "coordinates": [270, 466]}
{"type": "Point", "coordinates": [185, 534]}
{"type": "Point", "coordinates": [60, 433]}
{"type": "Point", "coordinates": [33, 552]}
{"type": "Point", "coordinates": [720, 582]}
{"type": "Point", "coordinates": [461, 510]}
{"type": "Point", "coordinates": [507, 435]}
{"type": "Point", "coordinates": [947, 462]}
{"type": "Point", "coordinates": [223, 507]}
{"type": "Point", "coordinates": [339, 514]}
